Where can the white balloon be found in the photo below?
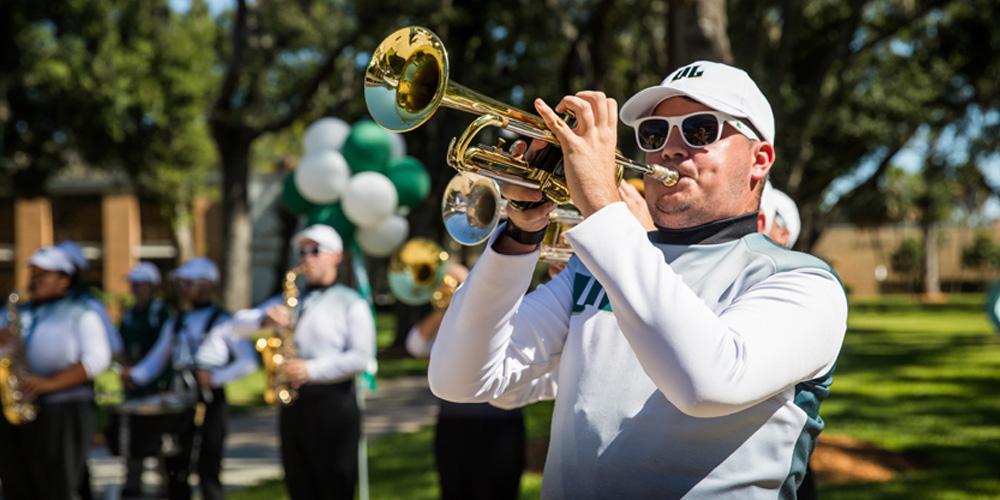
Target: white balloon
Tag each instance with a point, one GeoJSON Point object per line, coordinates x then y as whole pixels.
{"type": "Point", "coordinates": [398, 146]}
{"type": "Point", "coordinates": [385, 238]}
{"type": "Point", "coordinates": [325, 134]}
{"type": "Point", "coordinates": [322, 177]}
{"type": "Point", "coordinates": [369, 199]}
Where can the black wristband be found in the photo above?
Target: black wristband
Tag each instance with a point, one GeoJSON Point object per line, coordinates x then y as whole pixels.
{"type": "Point", "coordinates": [524, 237]}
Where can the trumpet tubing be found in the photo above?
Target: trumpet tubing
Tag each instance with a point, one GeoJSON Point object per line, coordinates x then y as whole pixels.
{"type": "Point", "coordinates": [407, 80]}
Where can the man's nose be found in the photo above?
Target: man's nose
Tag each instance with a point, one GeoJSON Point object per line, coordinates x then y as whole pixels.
{"type": "Point", "coordinates": [675, 149]}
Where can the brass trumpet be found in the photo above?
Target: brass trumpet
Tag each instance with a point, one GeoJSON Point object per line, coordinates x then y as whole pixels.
{"type": "Point", "coordinates": [408, 79]}
{"type": "Point", "coordinates": [554, 248]}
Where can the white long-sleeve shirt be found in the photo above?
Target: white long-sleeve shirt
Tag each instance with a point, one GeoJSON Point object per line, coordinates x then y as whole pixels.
{"type": "Point", "coordinates": [334, 332]}
{"type": "Point", "coordinates": [681, 370]}
{"type": "Point", "coordinates": [193, 346]}
{"type": "Point", "coordinates": [60, 334]}
{"type": "Point", "coordinates": [114, 336]}
{"type": "Point", "coordinates": [417, 345]}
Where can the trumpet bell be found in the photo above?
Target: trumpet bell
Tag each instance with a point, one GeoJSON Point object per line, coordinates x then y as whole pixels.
{"type": "Point", "coordinates": [406, 79]}
{"type": "Point", "coordinates": [417, 270]}
{"type": "Point", "coordinates": [471, 208]}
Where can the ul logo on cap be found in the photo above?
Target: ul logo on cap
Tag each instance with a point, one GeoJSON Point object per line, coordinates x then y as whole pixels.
{"type": "Point", "coordinates": [688, 72]}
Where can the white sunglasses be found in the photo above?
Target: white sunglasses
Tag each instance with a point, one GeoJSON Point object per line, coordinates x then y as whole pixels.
{"type": "Point", "coordinates": [698, 129]}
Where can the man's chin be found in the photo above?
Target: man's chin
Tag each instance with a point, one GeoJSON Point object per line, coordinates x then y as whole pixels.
{"type": "Point", "coordinates": [672, 207]}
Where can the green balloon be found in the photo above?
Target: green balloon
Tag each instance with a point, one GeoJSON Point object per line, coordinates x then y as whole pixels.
{"type": "Point", "coordinates": [411, 180]}
{"type": "Point", "coordinates": [333, 216]}
{"type": "Point", "coordinates": [292, 199]}
{"type": "Point", "coordinates": [368, 148]}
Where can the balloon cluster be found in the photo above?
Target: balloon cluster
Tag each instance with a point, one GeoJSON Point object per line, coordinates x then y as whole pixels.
{"type": "Point", "coordinates": [356, 179]}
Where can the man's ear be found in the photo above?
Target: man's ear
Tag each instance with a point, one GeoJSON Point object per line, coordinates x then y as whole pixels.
{"type": "Point", "coordinates": [763, 159]}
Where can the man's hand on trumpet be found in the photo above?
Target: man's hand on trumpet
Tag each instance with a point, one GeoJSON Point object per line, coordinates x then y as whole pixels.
{"type": "Point", "coordinates": [588, 151]}
{"type": "Point", "coordinates": [588, 148]}
{"type": "Point", "coordinates": [529, 219]}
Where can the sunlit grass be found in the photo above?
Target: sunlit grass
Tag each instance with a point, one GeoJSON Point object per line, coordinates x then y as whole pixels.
{"type": "Point", "coordinates": [921, 380]}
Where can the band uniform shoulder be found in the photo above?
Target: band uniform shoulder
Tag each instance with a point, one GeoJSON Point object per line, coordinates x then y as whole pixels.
{"type": "Point", "coordinates": [782, 258]}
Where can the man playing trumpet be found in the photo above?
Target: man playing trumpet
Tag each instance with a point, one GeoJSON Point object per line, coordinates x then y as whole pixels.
{"type": "Point", "coordinates": [670, 376]}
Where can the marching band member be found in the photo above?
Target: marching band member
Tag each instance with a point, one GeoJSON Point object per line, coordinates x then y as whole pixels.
{"type": "Point", "coordinates": [479, 449]}
{"type": "Point", "coordinates": [140, 328]}
{"type": "Point", "coordinates": [779, 217]}
{"type": "Point", "coordinates": [199, 357]}
{"type": "Point", "coordinates": [335, 339]}
{"type": "Point", "coordinates": [79, 292]}
{"type": "Point", "coordinates": [66, 346]}
{"type": "Point", "coordinates": [673, 378]}
{"type": "Point", "coordinates": [74, 251]}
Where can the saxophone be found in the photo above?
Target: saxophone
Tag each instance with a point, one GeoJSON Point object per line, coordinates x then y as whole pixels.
{"type": "Point", "coordinates": [279, 347]}
{"type": "Point", "coordinates": [16, 407]}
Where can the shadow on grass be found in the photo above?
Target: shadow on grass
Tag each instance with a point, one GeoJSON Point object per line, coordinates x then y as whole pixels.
{"type": "Point", "coordinates": [924, 385]}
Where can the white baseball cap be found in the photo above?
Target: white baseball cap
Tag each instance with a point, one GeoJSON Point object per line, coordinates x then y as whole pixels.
{"type": "Point", "coordinates": [716, 85]}
{"type": "Point", "coordinates": [198, 268]}
{"type": "Point", "coordinates": [775, 204]}
{"type": "Point", "coordinates": [324, 236]}
{"type": "Point", "coordinates": [74, 251]}
{"type": "Point", "coordinates": [52, 259]}
{"type": "Point", "coordinates": [144, 272]}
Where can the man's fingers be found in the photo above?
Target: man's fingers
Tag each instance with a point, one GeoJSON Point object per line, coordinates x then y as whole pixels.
{"type": "Point", "coordinates": [533, 149]}
{"type": "Point", "coordinates": [597, 101]}
{"type": "Point", "coordinates": [531, 219]}
{"type": "Point", "coordinates": [612, 115]}
{"type": "Point", "coordinates": [628, 191]}
{"type": "Point", "coordinates": [518, 148]}
{"type": "Point", "coordinates": [558, 127]}
{"type": "Point", "coordinates": [583, 110]}
{"type": "Point", "coordinates": [520, 193]}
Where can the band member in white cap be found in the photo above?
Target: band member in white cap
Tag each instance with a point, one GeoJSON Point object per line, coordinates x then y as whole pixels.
{"type": "Point", "coordinates": [66, 347]}
{"type": "Point", "coordinates": [779, 217]}
{"type": "Point", "coordinates": [78, 291]}
{"type": "Point", "coordinates": [335, 338]}
{"type": "Point", "coordinates": [140, 328]}
{"type": "Point", "coordinates": [673, 378]}
{"type": "Point", "coordinates": [205, 359]}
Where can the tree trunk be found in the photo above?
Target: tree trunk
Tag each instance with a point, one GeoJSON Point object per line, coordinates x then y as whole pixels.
{"type": "Point", "coordinates": [289, 224]}
{"type": "Point", "coordinates": [932, 277]}
{"type": "Point", "coordinates": [234, 150]}
{"type": "Point", "coordinates": [697, 30]}
{"type": "Point", "coordinates": [183, 232]}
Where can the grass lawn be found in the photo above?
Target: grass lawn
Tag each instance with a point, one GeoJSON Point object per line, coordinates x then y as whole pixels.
{"type": "Point", "coordinates": [401, 468]}
{"type": "Point", "coordinates": [921, 380]}
{"type": "Point", "coordinates": [916, 379]}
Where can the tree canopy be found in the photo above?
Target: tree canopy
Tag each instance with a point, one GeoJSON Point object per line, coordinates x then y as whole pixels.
{"type": "Point", "coordinates": [146, 89]}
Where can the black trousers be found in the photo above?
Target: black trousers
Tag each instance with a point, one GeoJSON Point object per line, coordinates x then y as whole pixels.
{"type": "Point", "coordinates": [320, 432]}
{"type": "Point", "coordinates": [211, 437]}
{"type": "Point", "coordinates": [480, 458]}
{"type": "Point", "coordinates": [44, 459]}
{"type": "Point", "coordinates": [807, 490]}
